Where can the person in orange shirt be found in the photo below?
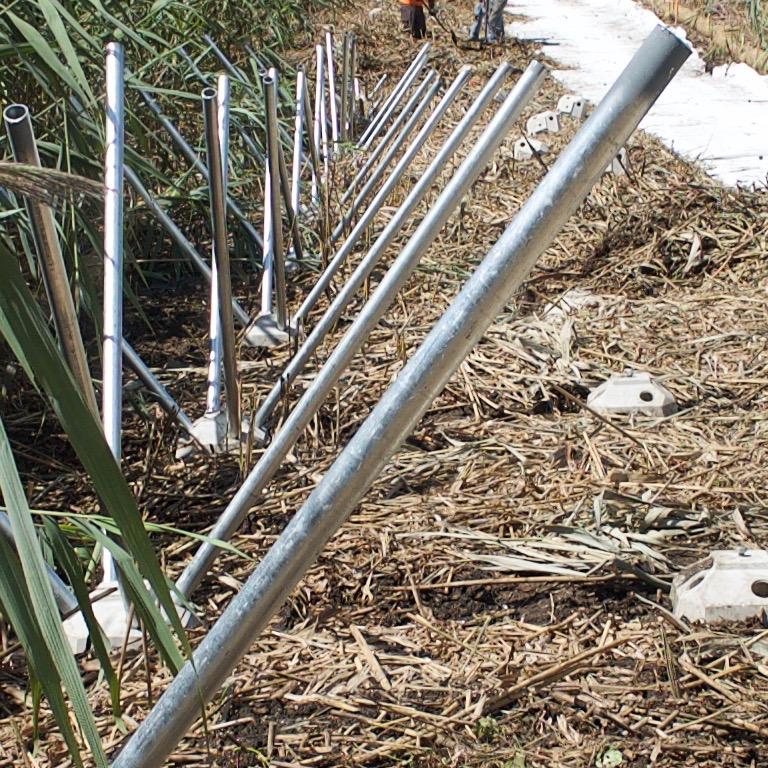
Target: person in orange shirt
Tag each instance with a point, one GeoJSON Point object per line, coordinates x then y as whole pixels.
{"type": "Point", "coordinates": [412, 16]}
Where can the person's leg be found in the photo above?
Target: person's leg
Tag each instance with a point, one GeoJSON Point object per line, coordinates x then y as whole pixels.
{"type": "Point", "coordinates": [496, 21]}
{"type": "Point", "coordinates": [419, 23]}
{"type": "Point", "coordinates": [405, 17]}
{"type": "Point", "coordinates": [474, 32]}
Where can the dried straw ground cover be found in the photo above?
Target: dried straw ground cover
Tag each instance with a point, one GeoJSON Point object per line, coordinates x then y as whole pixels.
{"type": "Point", "coordinates": [499, 598]}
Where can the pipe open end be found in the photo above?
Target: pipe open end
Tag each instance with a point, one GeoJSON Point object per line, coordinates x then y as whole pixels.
{"type": "Point", "coordinates": [208, 93]}
{"type": "Point", "coordinates": [16, 113]}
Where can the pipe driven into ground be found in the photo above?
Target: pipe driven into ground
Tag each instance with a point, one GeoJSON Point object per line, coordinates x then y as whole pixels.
{"type": "Point", "coordinates": [112, 331]}
{"type": "Point", "coordinates": [500, 274]}
{"type": "Point", "coordinates": [216, 145]}
{"type": "Point", "coordinates": [332, 89]}
{"type": "Point", "coordinates": [390, 102]}
{"type": "Point", "coordinates": [298, 144]}
{"type": "Point", "coordinates": [320, 124]}
{"type": "Point", "coordinates": [24, 148]}
{"type": "Point", "coordinates": [398, 220]}
{"type": "Point", "coordinates": [416, 98]}
{"type": "Point", "coordinates": [346, 63]}
{"type": "Point", "coordinates": [330, 373]}
{"type": "Point", "coordinates": [273, 160]}
{"type": "Point", "coordinates": [153, 384]}
{"type": "Point", "coordinates": [378, 172]}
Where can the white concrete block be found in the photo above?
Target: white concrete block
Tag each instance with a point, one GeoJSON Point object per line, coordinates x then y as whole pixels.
{"type": "Point", "coordinates": [632, 393]}
{"type": "Point", "coordinates": [544, 121]}
{"type": "Point", "coordinates": [525, 147]}
{"type": "Point", "coordinates": [571, 105]}
{"type": "Point", "coordinates": [732, 585]}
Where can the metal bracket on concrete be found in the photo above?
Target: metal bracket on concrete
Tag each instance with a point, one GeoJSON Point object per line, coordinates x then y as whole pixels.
{"type": "Point", "coordinates": [544, 121]}
{"type": "Point", "coordinates": [211, 432]}
{"type": "Point", "coordinates": [111, 614]}
{"type": "Point", "coordinates": [265, 332]}
{"type": "Point", "coordinates": [618, 166]}
{"type": "Point", "coordinates": [632, 393]}
{"type": "Point", "coordinates": [571, 105]}
{"type": "Point", "coordinates": [525, 148]}
{"type": "Point", "coordinates": [731, 585]}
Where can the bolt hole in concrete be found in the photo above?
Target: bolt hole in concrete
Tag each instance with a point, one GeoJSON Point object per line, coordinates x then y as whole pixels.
{"type": "Point", "coordinates": [646, 396]}
{"type": "Point", "coordinates": [760, 588]}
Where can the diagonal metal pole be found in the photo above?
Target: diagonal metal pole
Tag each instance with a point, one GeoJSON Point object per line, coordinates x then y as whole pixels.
{"type": "Point", "coordinates": [365, 322]}
{"type": "Point", "coordinates": [494, 282]}
{"type": "Point", "coordinates": [396, 94]}
{"type": "Point", "coordinates": [179, 238]}
{"type": "Point", "coordinates": [199, 165]}
{"type": "Point", "coordinates": [381, 169]}
{"type": "Point", "coordinates": [416, 97]}
{"type": "Point", "coordinates": [427, 178]}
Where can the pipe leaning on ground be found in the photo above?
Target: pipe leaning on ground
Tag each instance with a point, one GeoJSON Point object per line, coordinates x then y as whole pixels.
{"type": "Point", "coordinates": [327, 377]}
{"type": "Point", "coordinates": [199, 166]}
{"type": "Point", "coordinates": [486, 292]}
{"type": "Point", "coordinates": [178, 237]}
{"type": "Point", "coordinates": [416, 98]}
{"type": "Point", "coordinates": [215, 143]}
{"type": "Point", "coordinates": [393, 226]}
{"type": "Point", "coordinates": [381, 168]}
{"type": "Point", "coordinates": [389, 103]}
{"type": "Point", "coordinates": [46, 239]}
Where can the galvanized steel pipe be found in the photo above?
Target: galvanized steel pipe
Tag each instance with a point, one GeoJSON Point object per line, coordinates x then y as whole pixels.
{"type": "Point", "coordinates": [298, 143]}
{"type": "Point", "coordinates": [199, 166]}
{"type": "Point", "coordinates": [504, 268]}
{"type": "Point", "coordinates": [390, 102]}
{"type": "Point", "coordinates": [273, 161]}
{"type": "Point", "coordinates": [327, 377]}
{"type": "Point", "coordinates": [112, 330]}
{"type": "Point", "coordinates": [216, 149]}
{"type": "Point", "coordinates": [426, 179]}
{"type": "Point", "coordinates": [332, 89]}
{"type": "Point", "coordinates": [378, 172]}
{"type": "Point", "coordinates": [420, 94]}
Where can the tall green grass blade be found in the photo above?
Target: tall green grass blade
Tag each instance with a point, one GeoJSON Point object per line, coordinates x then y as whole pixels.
{"type": "Point", "coordinates": [55, 24]}
{"type": "Point", "coordinates": [23, 327]}
{"type": "Point", "coordinates": [41, 598]}
{"type": "Point", "coordinates": [45, 52]}
{"type": "Point", "coordinates": [69, 563]}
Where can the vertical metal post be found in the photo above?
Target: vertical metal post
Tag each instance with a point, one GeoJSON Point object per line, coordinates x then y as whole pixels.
{"type": "Point", "coordinates": [268, 261]}
{"type": "Point", "coordinates": [112, 343]}
{"type": "Point", "coordinates": [345, 82]}
{"type": "Point", "coordinates": [273, 161]}
{"type": "Point", "coordinates": [566, 185]}
{"type": "Point", "coordinates": [370, 315]}
{"type": "Point", "coordinates": [216, 150]}
{"type": "Point", "coordinates": [332, 89]}
{"type": "Point", "coordinates": [298, 143]}
{"type": "Point", "coordinates": [24, 148]}
{"type": "Point", "coordinates": [178, 237]}
{"type": "Point", "coordinates": [321, 125]}
{"type": "Point", "coordinates": [354, 87]}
